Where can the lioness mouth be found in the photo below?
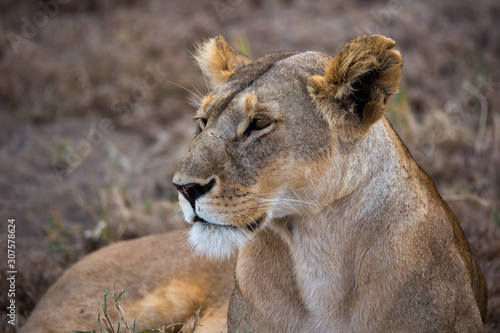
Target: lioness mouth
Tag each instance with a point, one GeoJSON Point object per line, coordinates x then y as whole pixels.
{"type": "Point", "coordinates": [250, 227]}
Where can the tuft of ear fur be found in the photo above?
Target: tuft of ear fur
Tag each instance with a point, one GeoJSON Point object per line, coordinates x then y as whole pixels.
{"type": "Point", "coordinates": [357, 83]}
{"type": "Point", "coordinates": [218, 60]}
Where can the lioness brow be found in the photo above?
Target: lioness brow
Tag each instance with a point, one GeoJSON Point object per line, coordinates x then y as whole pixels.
{"type": "Point", "coordinates": [244, 78]}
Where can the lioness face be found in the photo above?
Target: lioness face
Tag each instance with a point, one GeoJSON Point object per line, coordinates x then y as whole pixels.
{"type": "Point", "coordinates": [262, 149]}
{"type": "Point", "coordinates": [256, 153]}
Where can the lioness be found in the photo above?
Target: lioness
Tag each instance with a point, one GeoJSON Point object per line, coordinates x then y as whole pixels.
{"type": "Point", "coordinates": [338, 229]}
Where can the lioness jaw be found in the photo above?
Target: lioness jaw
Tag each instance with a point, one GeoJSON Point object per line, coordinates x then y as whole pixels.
{"type": "Point", "coordinates": [295, 168]}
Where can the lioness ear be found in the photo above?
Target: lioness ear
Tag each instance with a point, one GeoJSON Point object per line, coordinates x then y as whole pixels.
{"type": "Point", "coordinates": [218, 60]}
{"type": "Point", "coordinates": [357, 83]}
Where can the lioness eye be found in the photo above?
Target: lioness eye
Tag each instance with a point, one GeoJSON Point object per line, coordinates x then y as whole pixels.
{"type": "Point", "coordinates": [259, 123]}
{"type": "Point", "coordinates": [202, 122]}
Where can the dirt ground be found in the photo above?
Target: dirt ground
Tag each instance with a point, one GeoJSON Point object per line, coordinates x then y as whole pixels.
{"type": "Point", "coordinates": [95, 113]}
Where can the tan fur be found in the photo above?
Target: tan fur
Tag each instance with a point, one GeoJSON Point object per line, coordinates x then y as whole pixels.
{"type": "Point", "coordinates": [206, 102]}
{"type": "Point", "coordinates": [250, 103]}
{"type": "Point", "coordinates": [165, 285]}
{"type": "Point", "coordinates": [218, 60]}
{"type": "Point", "coordinates": [347, 233]}
{"type": "Point", "coordinates": [375, 66]}
{"type": "Point", "coordinates": [337, 228]}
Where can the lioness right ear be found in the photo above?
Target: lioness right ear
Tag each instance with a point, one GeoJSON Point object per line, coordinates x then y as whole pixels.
{"type": "Point", "coordinates": [354, 91]}
{"type": "Point", "coordinates": [218, 60]}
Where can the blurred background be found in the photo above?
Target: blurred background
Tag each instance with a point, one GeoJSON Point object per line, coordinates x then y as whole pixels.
{"type": "Point", "coordinates": [96, 111]}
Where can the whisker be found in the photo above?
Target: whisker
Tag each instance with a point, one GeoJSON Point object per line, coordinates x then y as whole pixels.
{"type": "Point", "coordinates": [274, 193]}
{"type": "Point", "coordinates": [206, 83]}
{"type": "Point", "coordinates": [241, 212]}
{"type": "Point", "coordinates": [284, 200]}
{"type": "Point", "coordinates": [199, 92]}
{"type": "Point", "coordinates": [195, 103]}
{"type": "Point", "coordinates": [182, 87]}
{"type": "Point", "coordinates": [204, 76]}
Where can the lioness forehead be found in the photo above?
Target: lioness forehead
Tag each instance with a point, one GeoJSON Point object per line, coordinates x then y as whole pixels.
{"type": "Point", "coordinates": [271, 73]}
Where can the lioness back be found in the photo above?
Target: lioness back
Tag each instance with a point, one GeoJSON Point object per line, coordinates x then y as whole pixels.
{"type": "Point", "coordinates": [165, 284]}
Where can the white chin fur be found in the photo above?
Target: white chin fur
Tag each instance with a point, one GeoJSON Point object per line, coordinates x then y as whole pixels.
{"type": "Point", "coordinates": [216, 241]}
{"type": "Point", "coordinates": [187, 211]}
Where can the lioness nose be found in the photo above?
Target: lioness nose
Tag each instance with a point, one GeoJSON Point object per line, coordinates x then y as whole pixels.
{"type": "Point", "coordinates": [193, 191]}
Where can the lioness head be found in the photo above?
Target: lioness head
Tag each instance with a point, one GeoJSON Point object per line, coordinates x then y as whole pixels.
{"type": "Point", "coordinates": [272, 135]}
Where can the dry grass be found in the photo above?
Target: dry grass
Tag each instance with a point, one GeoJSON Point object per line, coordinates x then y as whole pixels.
{"type": "Point", "coordinates": [88, 64]}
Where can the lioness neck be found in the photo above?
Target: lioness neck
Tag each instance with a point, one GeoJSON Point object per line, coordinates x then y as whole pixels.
{"type": "Point", "coordinates": [327, 249]}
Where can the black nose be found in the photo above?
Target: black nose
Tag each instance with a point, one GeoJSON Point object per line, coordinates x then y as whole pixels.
{"type": "Point", "coordinates": [193, 191]}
